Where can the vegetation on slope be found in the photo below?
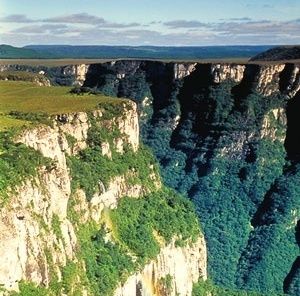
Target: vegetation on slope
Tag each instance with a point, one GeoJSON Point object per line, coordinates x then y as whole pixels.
{"type": "Point", "coordinates": [280, 53]}
{"type": "Point", "coordinates": [58, 72]}
{"type": "Point", "coordinates": [90, 166]}
{"type": "Point", "coordinates": [11, 52]}
{"type": "Point", "coordinates": [21, 76]}
{"type": "Point", "coordinates": [134, 243]}
{"type": "Point", "coordinates": [17, 163]}
{"type": "Point", "coordinates": [128, 237]}
{"type": "Point", "coordinates": [223, 156]}
{"type": "Point", "coordinates": [135, 221]}
{"type": "Point", "coordinates": [238, 179]}
{"type": "Point", "coordinates": [23, 104]}
{"type": "Point", "coordinates": [204, 287]}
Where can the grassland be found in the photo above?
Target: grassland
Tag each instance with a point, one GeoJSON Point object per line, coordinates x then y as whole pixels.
{"type": "Point", "coordinates": [19, 75]}
{"type": "Point", "coordinates": [51, 62]}
{"type": "Point", "coordinates": [27, 97]}
{"type": "Point", "coordinates": [67, 62]}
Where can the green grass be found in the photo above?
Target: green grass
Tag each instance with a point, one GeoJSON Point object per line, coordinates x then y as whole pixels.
{"type": "Point", "coordinates": [27, 97]}
{"type": "Point", "coordinates": [6, 121]}
{"type": "Point", "coordinates": [52, 62]}
{"type": "Point", "coordinates": [19, 75]}
{"type": "Point", "coordinates": [67, 62]}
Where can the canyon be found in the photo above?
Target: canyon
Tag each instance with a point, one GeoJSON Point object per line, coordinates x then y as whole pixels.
{"type": "Point", "coordinates": [226, 137]}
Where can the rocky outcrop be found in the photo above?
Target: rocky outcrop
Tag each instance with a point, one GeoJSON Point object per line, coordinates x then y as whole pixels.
{"type": "Point", "coordinates": [35, 234]}
{"type": "Point", "coordinates": [38, 78]}
{"type": "Point", "coordinates": [76, 125]}
{"type": "Point", "coordinates": [79, 71]}
{"type": "Point", "coordinates": [268, 79]}
{"type": "Point", "coordinates": [274, 119]}
{"type": "Point", "coordinates": [182, 70]}
{"type": "Point", "coordinates": [293, 79]}
{"type": "Point", "coordinates": [223, 72]}
{"type": "Point", "coordinates": [169, 264]}
{"type": "Point", "coordinates": [129, 127]}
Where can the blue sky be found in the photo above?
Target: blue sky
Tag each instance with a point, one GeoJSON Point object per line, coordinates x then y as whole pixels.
{"type": "Point", "coordinates": [155, 22]}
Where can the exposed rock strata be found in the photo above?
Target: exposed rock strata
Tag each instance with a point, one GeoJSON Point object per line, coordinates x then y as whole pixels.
{"type": "Point", "coordinates": [37, 238]}
{"type": "Point", "coordinates": [183, 265]}
{"type": "Point", "coordinates": [222, 72]}
{"type": "Point", "coordinates": [182, 70]}
{"type": "Point", "coordinates": [79, 71]}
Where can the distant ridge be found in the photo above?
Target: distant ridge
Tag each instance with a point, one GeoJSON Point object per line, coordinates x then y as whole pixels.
{"type": "Point", "coordinates": [11, 52]}
{"type": "Point", "coordinates": [136, 52]}
{"type": "Point", "coordinates": [279, 53]}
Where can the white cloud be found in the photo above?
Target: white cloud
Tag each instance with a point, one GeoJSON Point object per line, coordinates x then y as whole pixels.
{"type": "Point", "coordinates": [81, 18]}
{"type": "Point", "coordinates": [261, 27]}
{"type": "Point", "coordinates": [16, 18]}
{"type": "Point", "coordinates": [90, 29]}
{"type": "Point", "coordinates": [42, 29]}
{"type": "Point", "coordinates": [185, 24]}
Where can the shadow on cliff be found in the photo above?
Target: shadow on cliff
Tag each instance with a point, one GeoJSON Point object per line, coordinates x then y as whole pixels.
{"type": "Point", "coordinates": [245, 87]}
{"type": "Point", "coordinates": [292, 143]}
{"type": "Point", "coordinates": [196, 112]}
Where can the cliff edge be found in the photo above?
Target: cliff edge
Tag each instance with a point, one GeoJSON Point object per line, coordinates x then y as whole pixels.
{"type": "Point", "coordinates": [62, 232]}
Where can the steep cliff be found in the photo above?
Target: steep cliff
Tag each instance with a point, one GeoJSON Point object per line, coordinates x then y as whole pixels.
{"type": "Point", "coordinates": [165, 275]}
{"type": "Point", "coordinates": [61, 232]}
{"type": "Point", "coordinates": [225, 136]}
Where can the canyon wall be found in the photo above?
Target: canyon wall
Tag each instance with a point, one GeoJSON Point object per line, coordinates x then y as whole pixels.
{"type": "Point", "coordinates": [226, 136]}
{"type": "Point", "coordinates": [39, 236]}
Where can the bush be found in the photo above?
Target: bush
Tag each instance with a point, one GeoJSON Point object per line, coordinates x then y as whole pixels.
{"type": "Point", "coordinates": [17, 162]}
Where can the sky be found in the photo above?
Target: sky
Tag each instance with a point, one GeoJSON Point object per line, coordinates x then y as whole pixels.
{"type": "Point", "coordinates": [155, 22]}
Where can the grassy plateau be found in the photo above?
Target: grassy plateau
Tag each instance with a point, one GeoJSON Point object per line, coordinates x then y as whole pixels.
{"type": "Point", "coordinates": [27, 97]}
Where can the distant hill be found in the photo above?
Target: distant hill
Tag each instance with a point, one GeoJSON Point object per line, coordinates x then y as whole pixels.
{"type": "Point", "coordinates": [11, 52]}
{"type": "Point", "coordinates": [139, 52]}
{"type": "Point", "coordinates": [279, 53]}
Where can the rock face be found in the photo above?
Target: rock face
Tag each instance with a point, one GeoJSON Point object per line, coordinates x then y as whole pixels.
{"type": "Point", "coordinates": [270, 130]}
{"type": "Point", "coordinates": [37, 237]}
{"type": "Point", "coordinates": [183, 266]}
{"type": "Point", "coordinates": [129, 126]}
{"type": "Point", "coordinates": [223, 72]}
{"type": "Point", "coordinates": [293, 82]}
{"type": "Point", "coordinates": [30, 214]}
{"type": "Point", "coordinates": [79, 71]}
{"type": "Point", "coordinates": [268, 79]}
{"type": "Point", "coordinates": [38, 78]}
{"type": "Point", "coordinates": [182, 70]}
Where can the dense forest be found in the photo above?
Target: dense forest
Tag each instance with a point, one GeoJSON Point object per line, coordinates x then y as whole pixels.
{"type": "Point", "coordinates": [231, 148]}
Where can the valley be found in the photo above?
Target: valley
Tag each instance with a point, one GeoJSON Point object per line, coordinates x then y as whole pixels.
{"type": "Point", "coordinates": [225, 136]}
